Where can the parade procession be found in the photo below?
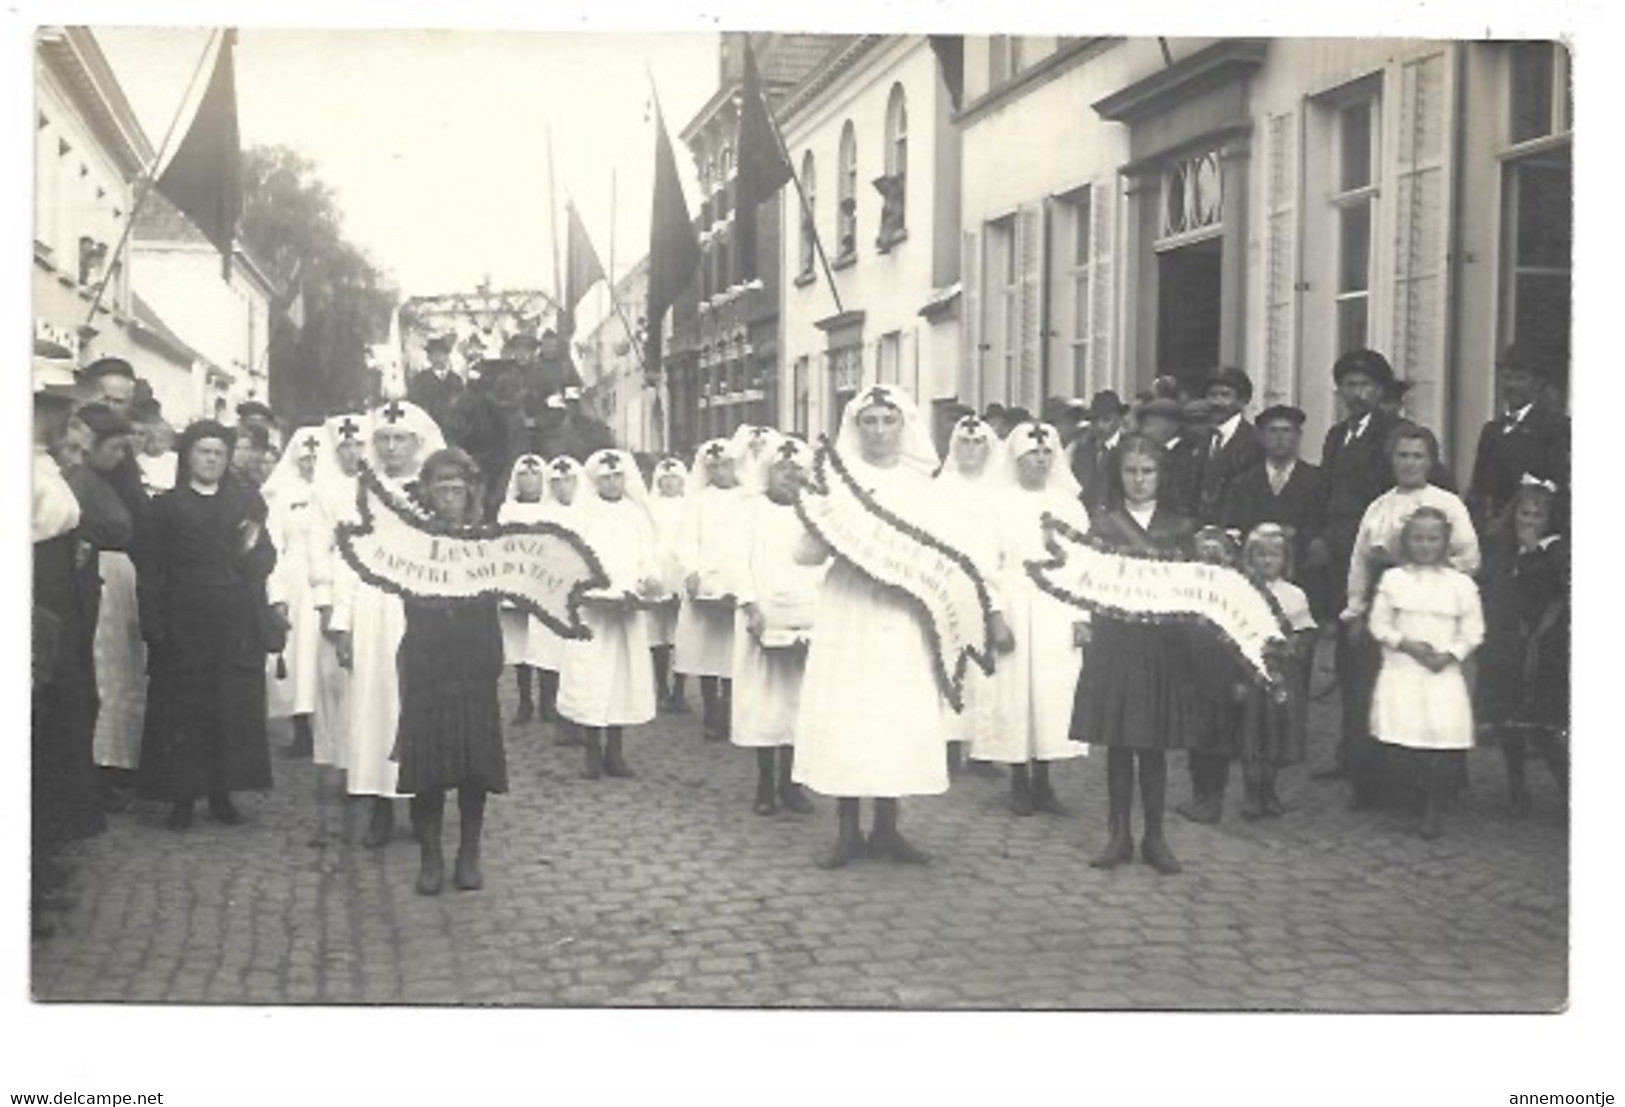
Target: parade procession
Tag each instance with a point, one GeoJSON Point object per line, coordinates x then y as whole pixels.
{"type": "Point", "coordinates": [1133, 527]}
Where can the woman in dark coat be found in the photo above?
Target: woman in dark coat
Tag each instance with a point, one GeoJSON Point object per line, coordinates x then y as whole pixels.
{"type": "Point", "coordinates": [1138, 693]}
{"type": "Point", "coordinates": [450, 661]}
{"type": "Point", "coordinates": [201, 567]}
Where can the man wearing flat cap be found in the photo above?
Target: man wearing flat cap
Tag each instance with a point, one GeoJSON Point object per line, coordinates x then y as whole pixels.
{"type": "Point", "coordinates": [1527, 437]}
{"type": "Point", "coordinates": [1355, 461]}
{"type": "Point", "coordinates": [1284, 489]}
{"type": "Point", "coordinates": [1092, 456]}
{"type": "Point", "coordinates": [1233, 445]}
{"type": "Point", "coordinates": [436, 388]}
{"type": "Point", "coordinates": [110, 381]}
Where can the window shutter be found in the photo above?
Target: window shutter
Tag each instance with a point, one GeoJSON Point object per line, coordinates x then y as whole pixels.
{"type": "Point", "coordinates": [970, 319]}
{"type": "Point", "coordinates": [1102, 283]}
{"type": "Point", "coordinates": [1281, 260]}
{"type": "Point", "coordinates": [1029, 233]}
{"type": "Point", "coordinates": [1422, 230]}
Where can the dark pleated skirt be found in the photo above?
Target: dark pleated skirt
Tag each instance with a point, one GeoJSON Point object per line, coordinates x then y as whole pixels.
{"type": "Point", "coordinates": [1138, 688]}
{"type": "Point", "coordinates": [450, 730]}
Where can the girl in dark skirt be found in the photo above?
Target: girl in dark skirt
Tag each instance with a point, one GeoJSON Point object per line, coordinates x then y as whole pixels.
{"type": "Point", "coordinates": [450, 662]}
{"type": "Point", "coordinates": [1523, 671]}
{"type": "Point", "coordinates": [1273, 729]}
{"type": "Point", "coordinates": [1136, 696]}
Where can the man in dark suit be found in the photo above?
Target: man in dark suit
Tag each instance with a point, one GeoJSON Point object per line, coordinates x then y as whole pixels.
{"type": "Point", "coordinates": [1092, 452]}
{"type": "Point", "coordinates": [1232, 446]}
{"type": "Point", "coordinates": [1355, 461]}
{"type": "Point", "coordinates": [436, 388]}
{"type": "Point", "coordinates": [1163, 421]}
{"type": "Point", "coordinates": [1285, 489]}
{"type": "Point", "coordinates": [1528, 437]}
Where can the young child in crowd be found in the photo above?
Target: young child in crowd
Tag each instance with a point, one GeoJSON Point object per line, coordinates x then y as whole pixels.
{"type": "Point", "coordinates": [1273, 728]}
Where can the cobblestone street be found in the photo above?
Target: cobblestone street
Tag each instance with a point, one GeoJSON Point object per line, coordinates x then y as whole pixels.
{"type": "Point", "coordinates": [666, 890]}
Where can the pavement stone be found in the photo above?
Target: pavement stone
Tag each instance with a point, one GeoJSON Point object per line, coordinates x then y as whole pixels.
{"type": "Point", "coordinates": [666, 890]}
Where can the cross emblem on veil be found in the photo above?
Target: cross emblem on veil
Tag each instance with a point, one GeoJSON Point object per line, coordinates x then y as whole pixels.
{"type": "Point", "coordinates": [1038, 435]}
{"type": "Point", "coordinates": [611, 462]}
{"type": "Point", "coordinates": [788, 451]}
{"type": "Point", "coordinates": [349, 428]}
{"type": "Point", "coordinates": [562, 467]}
{"type": "Point", "coordinates": [878, 395]}
{"type": "Point", "coordinates": [530, 465]}
{"type": "Point", "coordinates": [714, 451]}
{"type": "Point", "coordinates": [311, 444]}
{"type": "Point", "coordinates": [394, 413]}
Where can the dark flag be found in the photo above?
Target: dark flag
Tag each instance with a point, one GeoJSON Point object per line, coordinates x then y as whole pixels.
{"type": "Point", "coordinates": [674, 247]}
{"type": "Point", "coordinates": [582, 269]}
{"type": "Point", "coordinates": [204, 179]}
{"type": "Point", "coordinates": [763, 168]}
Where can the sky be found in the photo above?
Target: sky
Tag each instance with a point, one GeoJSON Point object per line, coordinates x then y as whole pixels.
{"type": "Point", "coordinates": [435, 142]}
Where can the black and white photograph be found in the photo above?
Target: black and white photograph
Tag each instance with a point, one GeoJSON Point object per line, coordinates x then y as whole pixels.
{"type": "Point", "coordinates": [597, 521]}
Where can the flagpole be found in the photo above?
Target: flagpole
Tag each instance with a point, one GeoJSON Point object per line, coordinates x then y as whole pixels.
{"type": "Point", "coordinates": [806, 209]}
{"type": "Point", "coordinates": [553, 222]}
{"type": "Point", "coordinates": [148, 180]}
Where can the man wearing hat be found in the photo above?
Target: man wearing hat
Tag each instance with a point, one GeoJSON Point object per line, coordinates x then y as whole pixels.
{"type": "Point", "coordinates": [110, 381]}
{"type": "Point", "coordinates": [1527, 437]}
{"type": "Point", "coordinates": [1284, 489]}
{"type": "Point", "coordinates": [436, 388]}
{"type": "Point", "coordinates": [1232, 447]}
{"type": "Point", "coordinates": [1355, 461]}
{"type": "Point", "coordinates": [1094, 453]}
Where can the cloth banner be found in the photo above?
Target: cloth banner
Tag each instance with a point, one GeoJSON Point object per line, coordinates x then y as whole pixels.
{"type": "Point", "coordinates": [944, 588]}
{"type": "Point", "coordinates": [1155, 588]}
{"type": "Point", "coordinates": [541, 567]}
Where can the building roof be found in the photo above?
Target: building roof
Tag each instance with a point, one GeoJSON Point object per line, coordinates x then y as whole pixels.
{"type": "Point", "coordinates": [159, 220]}
{"type": "Point", "coordinates": [783, 60]}
{"type": "Point", "coordinates": [73, 54]}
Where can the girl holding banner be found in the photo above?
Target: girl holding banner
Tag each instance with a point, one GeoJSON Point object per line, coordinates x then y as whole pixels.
{"type": "Point", "coordinates": [523, 503]}
{"type": "Point", "coordinates": [559, 505]}
{"type": "Point", "coordinates": [1137, 695]}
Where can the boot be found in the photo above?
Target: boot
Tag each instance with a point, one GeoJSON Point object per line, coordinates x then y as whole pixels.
{"type": "Point", "coordinates": [1044, 798]}
{"type": "Point", "coordinates": [381, 827]}
{"type": "Point", "coordinates": [547, 695]}
{"type": "Point", "coordinates": [1154, 849]}
{"type": "Point", "coordinates": [679, 703]}
{"type": "Point", "coordinates": [767, 801]}
{"type": "Point", "coordinates": [956, 758]}
{"type": "Point", "coordinates": [614, 759]}
{"type": "Point", "coordinates": [592, 739]}
{"type": "Point", "coordinates": [304, 741]}
{"type": "Point", "coordinates": [527, 707]}
{"type": "Point", "coordinates": [848, 837]}
{"type": "Point", "coordinates": [1556, 756]}
{"type": "Point", "coordinates": [1021, 791]}
{"type": "Point", "coordinates": [1205, 805]}
{"type": "Point", "coordinates": [1252, 803]}
{"type": "Point", "coordinates": [725, 707]}
{"type": "Point", "coordinates": [710, 719]}
{"type": "Point", "coordinates": [885, 841]}
{"type": "Point", "coordinates": [1120, 799]}
{"type": "Point", "coordinates": [1273, 807]}
{"type": "Point", "coordinates": [180, 815]}
{"type": "Point", "coordinates": [471, 813]}
{"type": "Point", "coordinates": [792, 795]}
{"type": "Point", "coordinates": [427, 810]}
{"type": "Point", "coordinates": [1432, 816]}
{"type": "Point", "coordinates": [222, 810]}
{"type": "Point", "coordinates": [660, 657]}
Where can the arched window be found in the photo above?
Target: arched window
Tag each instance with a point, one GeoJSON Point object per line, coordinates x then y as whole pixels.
{"type": "Point", "coordinates": [847, 221]}
{"type": "Point", "coordinates": [894, 186]}
{"type": "Point", "coordinates": [809, 186]}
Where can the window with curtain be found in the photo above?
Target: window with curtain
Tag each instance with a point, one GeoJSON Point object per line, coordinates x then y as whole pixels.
{"type": "Point", "coordinates": [847, 224]}
{"type": "Point", "coordinates": [809, 187]}
{"type": "Point", "coordinates": [1354, 201]}
{"type": "Point", "coordinates": [894, 185]}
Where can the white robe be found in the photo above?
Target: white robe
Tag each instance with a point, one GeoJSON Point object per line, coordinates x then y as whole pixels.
{"type": "Point", "coordinates": [121, 666]}
{"type": "Point", "coordinates": [521, 631]}
{"type": "Point", "coordinates": [376, 621]}
{"type": "Point", "coordinates": [708, 546]}
{"type": "Point", "coordinates": [971, 528]}
{"type": "Point", "coordinates": [668, 513]}
{"type": "Point", "coordinates": [293, 519]}
{"type": "Point", "coordinates": [1412, 705]}
{"type": "Point", "coordinates": [767, 682]}
{"type": "Point", "coordinates": [1035, 683]}
{"type": "Point", "coordinates": [872, 720]}
{"type": "Point", "coordinates": [607, 680]}
{"type": "Point", "coordinates": [334, 500]}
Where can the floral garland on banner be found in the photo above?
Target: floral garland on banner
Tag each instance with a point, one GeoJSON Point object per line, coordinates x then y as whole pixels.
{"type": "Point", "coordinates": [836, 511]}
{"type": "Point", "coordinates": [543, 568]}
{"type": "Point", "coordinates": [1229, 601]}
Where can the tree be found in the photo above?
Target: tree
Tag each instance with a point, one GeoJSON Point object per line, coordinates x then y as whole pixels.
{"type": "Point", "coordinates": [292, 224]}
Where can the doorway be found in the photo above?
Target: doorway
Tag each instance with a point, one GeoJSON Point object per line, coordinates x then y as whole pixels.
{"type": "Point", "coordinates": [1189, 279]}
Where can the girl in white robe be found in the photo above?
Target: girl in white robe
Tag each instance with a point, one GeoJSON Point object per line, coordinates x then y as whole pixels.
{"type": "Point", "coordinates": [523, 503]}
{"type": "Point", "coordinates": [290, 495]}
{"type": "Point", "coordinates": [370, 622]}
{"type": "Point", "coordinates": [606, 682]}
{"type": "Point", "coordinates": [777, 598]}
{"type": "Point", "coordinates": [333, 501]}
{"type": "Point", "coordinates": [560, 505]}
{"type": "Point", "coordinates": [872, 720]}
{"type": "Point", "coordinates": [1035, 681]}
{"type": "Point", "coordinates": [973, 480]}
{"type": "Point", "coordinates": [668, 503]}
{"type": "Point", "coordinates": [706, 549]}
